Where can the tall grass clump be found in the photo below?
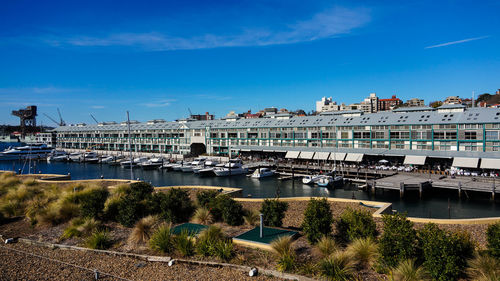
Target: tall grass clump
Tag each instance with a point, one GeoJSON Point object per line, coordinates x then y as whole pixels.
{"type": "Point", "coordinates": [184, 243]}
{"type": "Point", "coordinates": [326, 245]}
{"type": "Point", "coordinates": [224, 249]}
{"type": "Point", "coordinates": [354, 224]}
{"type": "Point", "coordinates": [99, 240]}
{"type": "Point", "coordinates": [339, 266]}
{"type": "Point", "coordinates": [283, 249]}
{"type": "Point", "coordinates": [162, 239]}
{"type": "Point", "coordinates": [143, 229]}
{"type": "Point", "coordinates": [484, 268]}
{"type": "Point", "coordinates": [202, 215]}
{"type": "Point", "coordinates": [81, 227]}
{"type": "Point", "coordinates": [364, 251]}
{"type": "Point", "coordinates": [251, 217]}
{"type": "Point", "coordinates": [317, 219]}
{"type": "Point", "coordinates": [207, 239]}
{"type": "Point", "coordinates": [408, 270]}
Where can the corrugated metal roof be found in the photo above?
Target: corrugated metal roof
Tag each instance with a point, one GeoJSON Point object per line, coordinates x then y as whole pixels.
{"type": "Point", "coordinates": [469, 116]}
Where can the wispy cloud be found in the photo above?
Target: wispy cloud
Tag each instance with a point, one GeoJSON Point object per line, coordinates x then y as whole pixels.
{"type": "Point", "coordinates": [326, 24]}
{"type": "Point", "coordinates": [213, 97]}
{"type": "Point", "coordinates": [456, 42]}
{"type": "Point", "coordinates": [98, 106]}
{"type": "Point", "coordinates": [37, 90]}
{"type": "Point", "coordinates": [159, 103]}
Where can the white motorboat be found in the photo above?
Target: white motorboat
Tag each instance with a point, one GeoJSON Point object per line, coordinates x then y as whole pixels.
{"type": "Point", "coordinates": [327, 181]}
{"type": "Point", "coordinates": [135, 162]}
{"type": "Point", "coordinates": [178, 167]}
{"type": "Point", "coordinates": [107, 159]}
{"type": "Point", "coordinates": [262, 173]}
{"type": "Point", "coordinates": [33, 151]}
{"type": "Point", "coordinates": [197, 162]}
{"type": "Point", "coordinates": [151, 164]}
{"type": "Point", "coordinates": [209, 164]}
{"type": "Point", "coordinates": [310, 179]}
{"type": "Point", "coordinates": [234, 167]}
{"type": "Point", "coordinates": [90, 157]}
{"type": "Point", "coordinates": [58, 156]}
{"type": "Point", "coordinates": [169, 165]}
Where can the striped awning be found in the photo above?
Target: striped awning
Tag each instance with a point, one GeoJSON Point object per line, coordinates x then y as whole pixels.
{"type": "Point", "coordinates": [292, 154]}
{"type": "Point", "coordinates": [306, 155]}
{"type": "Point", "coordinates": [354, 157]}
{"type": "Point", "coordinates": [337, 156]}
{"type": "Point", "coordinates": [321, 155]}
{"type": "Point", "coordinates": [465, 162]}
{"type": "Point", "coordinates": [414, 160]}
{"type": "Point", "coordinates": [490, 163]}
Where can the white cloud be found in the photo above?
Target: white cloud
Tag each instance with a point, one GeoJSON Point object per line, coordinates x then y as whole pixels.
{"type": "Point", "coordinates": [98, 107]}
{"type": "Point", "coordinates": [326, 24]}
{"type": "Point", "coordinates": [159, 103]}
{"type": "Point", "coordinates": [456, 42]}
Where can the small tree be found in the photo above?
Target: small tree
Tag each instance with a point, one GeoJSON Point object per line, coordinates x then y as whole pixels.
{"type": "Point", "coordinates": [317, 219]}
{"type": "Point", "coordinates": [205, 197]}
{"type": "Point", "coordinates": [399, 240]}
{"type": "Point", "coordinates": [129, 211]}
{"type": "Point", "coordinates": [140, 190]}
{"type": "Point", "coordinates": [274, 211]}
{"type": "Point", "coordinates": [493, 238]}
{"type": "Point", "coordinates": [232, 211]}
{"type": "Point", "coordinates": [354, 224]}
{"type": "Point", "coordinates": [445, 253]}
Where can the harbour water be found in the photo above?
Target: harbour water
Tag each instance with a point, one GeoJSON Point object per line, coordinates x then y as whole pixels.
{"type": "Point", "coordinates": [436, 204]}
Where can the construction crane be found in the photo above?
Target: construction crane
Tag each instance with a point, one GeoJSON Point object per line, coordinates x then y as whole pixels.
{"type": "Point", "coordinates": [190, 113]}
{"type": "Point", "coordinates": [61, 123]}
{"type": "Point", "coordinates": [52, 119]}
{"type": "Point", "coordinates": [94, 118]}
{"type": "Point", "coordinates": [27, 118]}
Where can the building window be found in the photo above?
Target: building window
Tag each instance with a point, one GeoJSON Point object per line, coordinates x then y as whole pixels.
{"type": "Point", "coordinates": [470, 135]}
{"type": "Point", "coordinates": [492, 135]}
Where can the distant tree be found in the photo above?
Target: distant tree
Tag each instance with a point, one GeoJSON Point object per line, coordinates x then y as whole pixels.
{"type": "Point", "coordinates": [435, 104]}
{"type": "Point", "coordinates": [484, 97]}
{"type": "Point", "coordinates": [300, 112]}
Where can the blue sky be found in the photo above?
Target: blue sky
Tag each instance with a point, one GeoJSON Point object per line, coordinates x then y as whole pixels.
{"type": "Point", "coordinates": [157, 59]}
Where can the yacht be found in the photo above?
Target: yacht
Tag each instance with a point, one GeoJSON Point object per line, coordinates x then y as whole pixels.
{"type": "Point", "coordinates": [311, 179]}
{"type": "Point", "coordinates": [262, 173]}
{"type": "Point", "coordinates": [90, 157]}
{"type": "Point", "coordinates": [107, 159]}
{"type": "Point", "coordinates": [197, 162]}
{"type": "Point", "coordinates": [178, 166]}
{"type": "Point", "coordinates": [58, 156]}
{"type": "Point", "coordinates": [169, 165]}
{"type": "Point", "coordinates": [234, 167]}
{"type": "Point", "coordinates": [208, 164]}
{"type": "Point", "coordinates": [153, 163]}
{"type": "Point", "coordinates": [75, 156]}
{"type": "Point", "coordinates": [33, 151]}
{"type": "Point", "coordinates": [327, 181]}
{"type": "Point", "coordinates": [134, 164]}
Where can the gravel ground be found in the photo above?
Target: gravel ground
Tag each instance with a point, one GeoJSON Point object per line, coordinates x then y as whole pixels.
{"type": "Point", "coordinates": [20, 266]}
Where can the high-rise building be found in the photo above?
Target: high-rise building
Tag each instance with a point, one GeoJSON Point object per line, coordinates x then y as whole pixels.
{"type": "Point", "coordinates": [389, 104]}
{"type": "Point", "coordinates": [415, 102]}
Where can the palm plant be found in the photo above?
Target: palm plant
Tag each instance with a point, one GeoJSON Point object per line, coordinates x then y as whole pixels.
{"type": "Point", "coordinates": [202, 215]}
{"type": "Point", "coordinates": [162, 239]}
{"type": "Point", "coordinates": [143, 229]}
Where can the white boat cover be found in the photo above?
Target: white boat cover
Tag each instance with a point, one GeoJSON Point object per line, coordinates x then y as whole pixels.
{"type": "Point", "coordinates": [354, 157]}
{"type": "Point", "coordinates": [292, 154]}
{"type": "Point", "coordinates": [306, 155]}
{"type": "Point", "coordinates": [337, 156]}
{"type": "Point", "coordinates": [245, 150]}
{"type": "Point", "coordinates": [464, 162]}
{"type": "Point", "coordinates": [268, 150]}
{"type": "Point", "coordinates": [321, 155]}
{"type": "Point", "coordinates": [490, 163]}
{"type": "Point", "coordinates": [414, 160]}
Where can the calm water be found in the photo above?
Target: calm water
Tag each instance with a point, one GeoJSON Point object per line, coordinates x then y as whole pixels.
{"type": "Point", "coordinates": [435, 204]}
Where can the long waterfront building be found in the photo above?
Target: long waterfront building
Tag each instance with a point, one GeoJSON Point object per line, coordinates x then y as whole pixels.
{"type": "Point", "coordinates": [450, 131]}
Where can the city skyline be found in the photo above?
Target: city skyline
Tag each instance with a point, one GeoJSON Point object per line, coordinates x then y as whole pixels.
{"type": "Point", "coordinates": [161, 60]}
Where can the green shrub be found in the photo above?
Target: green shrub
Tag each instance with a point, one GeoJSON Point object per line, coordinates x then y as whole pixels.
{"type": "Point", "coordinates": [338, 266]}
{"type": "Point", "coordinates": [224, 208]}
{"type": "Point", "coordinates": [273, 211]}
{"type": "Point", "coordinates": [354, 224]}
{"type": "Point", "coordinates": [139, 190]}
{"type": "Point", "coordinates": [184, 243]}
{"type": "Point", "coordinates": [493, 238]}
{"type": "Point", "coordinates": [398, 241]}
{"type": "Point", "coordinates": [130, 210]}
{"type": "Point", "coordinates": [2, 218]}
{"type": "Point", "coordinates": [162, 240]}
{"type": "Point", "coordinates": [207, 240]}
{"type": "Point", "coordinates": [317, 219]}
{"type": "Point", "coordinates": [99, 240]}
{"type": "Point", "coordinates": [91, 201]}
{"type": "Point", "coordinates": [174, 205]}
{"type": "Point", "coordinates": [205, 197]}
{"type": "Point", "coordinates": [445, 253]}
{"type": "Point", "coordinates": [111, 206]}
